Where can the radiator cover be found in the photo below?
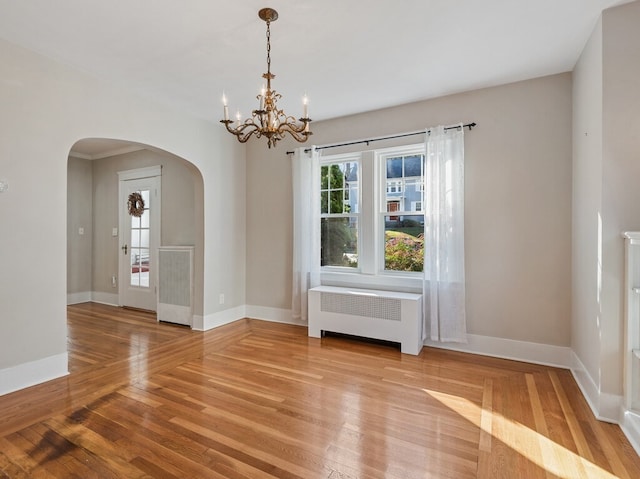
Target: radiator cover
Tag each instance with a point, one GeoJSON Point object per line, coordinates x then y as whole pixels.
{"type": "Point", "coordinates": [175, 284]}
{"type": "Point", "coordinates": [385, 315]}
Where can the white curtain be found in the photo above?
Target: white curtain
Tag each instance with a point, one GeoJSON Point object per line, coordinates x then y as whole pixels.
{"type": "Point", "coordinates": [444, 289]}
{"type": "Point", "coordinates": [306, 229]}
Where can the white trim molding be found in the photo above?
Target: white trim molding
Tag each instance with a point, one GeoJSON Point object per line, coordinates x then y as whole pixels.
{"type": "Point", "coordinates": [77, 298]}
{"type": "Point", "coordinates": [630, 425]}
{"type": "Point", "coordinates": [274, 315]}
{"type": "Point", "coordinates": [110, 299]}
{"type": "Point", "coordinates": [537, 353]}
{"type": "Point", "coordinates": [605, 406]}
{"type": "Point", "coordinates": [118, 151]}
{"type": "Point", "coordinates": [138, 173]}
{"type": "Point", "coordinates": [210, 321]}
{"type": "Point", "coordinates": [32, 373]}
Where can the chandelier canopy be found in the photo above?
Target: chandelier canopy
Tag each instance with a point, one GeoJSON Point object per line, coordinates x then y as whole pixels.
{"type": "Point", "coordinates": [268, 120]}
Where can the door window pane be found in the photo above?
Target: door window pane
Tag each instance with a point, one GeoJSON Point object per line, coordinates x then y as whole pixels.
{"type": "Point", "coordinates": [144, 219]}
{"type": "Point", "coordinates": [140, 244]}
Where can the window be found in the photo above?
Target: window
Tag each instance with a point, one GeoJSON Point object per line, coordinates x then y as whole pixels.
{"type": "Point", "coordinates": [404, 230]}
{"type": "Point", "coordinates": [339, 214]}
{"type": "Point", "coordinates": [372, 216]}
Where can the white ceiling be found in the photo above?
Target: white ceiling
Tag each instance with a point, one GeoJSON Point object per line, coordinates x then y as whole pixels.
{"type": "Point", "coordinates": [349, 56]}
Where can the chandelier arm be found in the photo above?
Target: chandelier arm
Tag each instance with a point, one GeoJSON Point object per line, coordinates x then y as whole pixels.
{"type": "Point", "coordinates": [298, 134]}
{"type": "Point", "coordinates": [239, 131]}
{"type": "Point", "coordinates": [300, 137]}
{"type": "Point", "coordinates": [293, 127]}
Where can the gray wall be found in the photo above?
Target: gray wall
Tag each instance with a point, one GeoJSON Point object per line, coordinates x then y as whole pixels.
{"type": "Point", "coordinates": [93, 202]}
{"type": "Point", "coordinates": [79, 215]}
{"type": "Point", "coordinates": [518, 204]}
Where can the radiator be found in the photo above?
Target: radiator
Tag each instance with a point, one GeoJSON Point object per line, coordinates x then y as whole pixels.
{"type": "Point", "coordinates": [385, 315]}
{"type": "Point", "coordinates": [175, 284]}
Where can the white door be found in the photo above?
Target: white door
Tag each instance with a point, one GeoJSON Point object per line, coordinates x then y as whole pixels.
{"type": "Point", "coordinates": [139, 241]}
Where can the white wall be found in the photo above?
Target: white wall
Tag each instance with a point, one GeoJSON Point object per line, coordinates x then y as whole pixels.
{"type": "Point", "coordinates": [606, 197]}
{"type": "Point", "coordinates": [587, 205]}
{"type": "Point", "coordinates": [518, 204]}
{"type": "Point", "coordinates": [46, 108]}
{"type": "Point", "coordinates": [621, 173]}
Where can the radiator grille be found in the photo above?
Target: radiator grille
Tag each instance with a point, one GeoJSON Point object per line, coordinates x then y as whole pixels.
{"type": "Point", "coordinates": [360, 305]}
{"type": "Point", "coordinates": [175, 278]}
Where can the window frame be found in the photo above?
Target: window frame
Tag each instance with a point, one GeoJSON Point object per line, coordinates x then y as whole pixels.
{"type": "Point", "coordinates": [372, 200]}
{"type": "Point", "coordinates": [333, 160]}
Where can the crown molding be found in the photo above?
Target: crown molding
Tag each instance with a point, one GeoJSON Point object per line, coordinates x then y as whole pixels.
{"type": "Point", "coordinates": [106, 154]}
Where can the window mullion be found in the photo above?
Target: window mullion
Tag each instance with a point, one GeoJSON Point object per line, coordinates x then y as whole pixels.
{"type": "Point", "coordinates": [368, 220]}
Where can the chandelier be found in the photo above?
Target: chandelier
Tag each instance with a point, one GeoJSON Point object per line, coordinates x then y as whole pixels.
{"type": "Point", "coordinates": [268, 120]}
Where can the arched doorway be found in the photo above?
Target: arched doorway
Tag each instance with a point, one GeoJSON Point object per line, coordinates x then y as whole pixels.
{"type": "Point", "coordinates": [93, 229]}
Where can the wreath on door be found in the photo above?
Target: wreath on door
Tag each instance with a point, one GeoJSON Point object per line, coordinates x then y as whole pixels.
{"type": "Point", "coordinates": [136, 204]}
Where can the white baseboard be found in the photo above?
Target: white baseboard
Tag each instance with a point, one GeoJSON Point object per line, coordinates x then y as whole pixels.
{"type": "Point", "coordinates": [275, 315]}
{"type": "Point", "coordinates": [546, 354]}
{"type": "Point", "coordinates": [110, 299]}
{"type": "Point", "coordinates": [210, 321]}
{"type": "Point", "coordinates": [77, 298]}
{"type": "Point", "coordinates": [605, 406]}
{"type": "Point", "coordinates": [630, 425]}
{"type": "Point", "coordinates": [32, 373]}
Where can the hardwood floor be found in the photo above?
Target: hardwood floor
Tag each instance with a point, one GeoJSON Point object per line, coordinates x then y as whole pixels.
{"type": "Point", "coordinates": [254, 399]}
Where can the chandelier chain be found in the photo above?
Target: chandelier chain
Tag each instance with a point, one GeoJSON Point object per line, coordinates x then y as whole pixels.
{"type": "Point", "coordinates": [268, 50]}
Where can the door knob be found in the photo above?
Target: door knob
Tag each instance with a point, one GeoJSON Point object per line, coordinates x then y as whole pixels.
{"type": "Point", "coordinates": [124, 248]}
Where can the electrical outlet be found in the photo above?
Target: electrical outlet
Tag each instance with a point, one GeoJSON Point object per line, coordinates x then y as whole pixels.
{"type": "Point", "coordinates": [221, 298]}
{"type": "Point", "coordinates": [114, 281]}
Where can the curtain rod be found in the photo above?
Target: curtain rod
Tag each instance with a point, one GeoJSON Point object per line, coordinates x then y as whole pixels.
{"type": "Point", "coordinates": [401, 135]}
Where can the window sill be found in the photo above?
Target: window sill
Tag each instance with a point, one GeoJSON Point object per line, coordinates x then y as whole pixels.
{"type": "Point", "coordinates": [389, 282]}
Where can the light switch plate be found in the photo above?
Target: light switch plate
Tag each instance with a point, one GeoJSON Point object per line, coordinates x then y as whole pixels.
{"type": "Point", "coordinates": [114, 232]}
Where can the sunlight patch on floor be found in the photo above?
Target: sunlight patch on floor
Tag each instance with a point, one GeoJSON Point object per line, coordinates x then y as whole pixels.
{"type": "Point", "coordinates": [534, 446]}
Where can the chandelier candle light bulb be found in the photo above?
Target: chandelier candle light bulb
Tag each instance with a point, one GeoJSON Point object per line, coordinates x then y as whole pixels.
{"type": "Point", "coordinates": [268, 120]}
{"type": "Point", "coordinates": [226, 107]}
